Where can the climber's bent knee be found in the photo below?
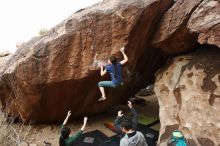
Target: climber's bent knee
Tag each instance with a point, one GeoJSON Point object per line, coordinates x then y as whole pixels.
{"type": "Point", "coordinates": [108, 84]}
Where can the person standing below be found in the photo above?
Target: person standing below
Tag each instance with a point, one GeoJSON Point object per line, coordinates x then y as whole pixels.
{"type": "Point", "coordinates": [65, 140]}
{"type": "Point", "coordinates": [114, 69]}
{"type": "Point", "coordinates": [132, 137]}
{"type": "Point", "coordinates": [119, 119]}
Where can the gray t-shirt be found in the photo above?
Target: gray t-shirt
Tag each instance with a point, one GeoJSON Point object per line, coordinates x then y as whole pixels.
{"type": "Point", "coordinates": [136, 140]}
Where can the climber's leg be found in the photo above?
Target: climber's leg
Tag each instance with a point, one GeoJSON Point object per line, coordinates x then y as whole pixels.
{"type": "Point", "coordinates": [103, 84]}
{"type": "Point", "coordinates": [103, 97]}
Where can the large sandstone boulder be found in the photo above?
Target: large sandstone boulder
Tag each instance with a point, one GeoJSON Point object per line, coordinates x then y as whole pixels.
{"type": "Point", "coordinates": [188, 90]}
{"type": "Point", "coordinates": [59, 71]}
{"type": "Point", "coordinates": [188, 23]}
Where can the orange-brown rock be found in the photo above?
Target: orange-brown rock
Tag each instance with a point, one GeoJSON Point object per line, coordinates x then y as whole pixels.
{"type": "Point", "coordinates": [188, 90]}
{"type": "Point", "coordinates": [59, 71]}
{"type": "Point", "coordinates": [172, 34]}
{"type": "Point", "coordinates": [188, 23]}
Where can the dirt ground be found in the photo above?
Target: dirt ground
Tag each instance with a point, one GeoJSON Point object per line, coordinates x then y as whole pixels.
{"type": "Point", "coordinates": [50, 133]}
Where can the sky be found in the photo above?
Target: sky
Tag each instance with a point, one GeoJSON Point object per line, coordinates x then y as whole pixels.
{"type": "Point", "coordinates": [22, 19]}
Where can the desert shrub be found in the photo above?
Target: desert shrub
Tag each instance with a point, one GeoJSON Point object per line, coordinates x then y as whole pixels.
{"type": "Point", "coordinates": [12, 134]}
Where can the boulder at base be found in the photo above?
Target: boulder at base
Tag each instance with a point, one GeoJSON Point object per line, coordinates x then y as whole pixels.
{"type": "Point", "coordinates": [188, 89]}
{"type": "Point", "coordinates": [59, 71]}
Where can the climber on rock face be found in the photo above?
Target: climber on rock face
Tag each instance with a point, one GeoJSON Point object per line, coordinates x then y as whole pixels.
{"type": "Point", "coordinates": [114, 69]}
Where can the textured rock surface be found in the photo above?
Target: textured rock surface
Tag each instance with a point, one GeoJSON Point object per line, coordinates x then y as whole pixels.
{"type": "Point", "coordinates": [188, 23]}
{"type": "Point", "coordinates": [188, 89]}
{"type": "Point", "coordinates": [172, 34]}
{"type": "Point", "coordinates": [205, 21]}
{"type": "Point", "coordinates": [4, 57]}
{"type": "Point", "coordinates": [59, 71]}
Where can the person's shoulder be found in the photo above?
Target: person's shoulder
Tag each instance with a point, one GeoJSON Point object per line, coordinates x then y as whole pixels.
{"type": "Point", "coordinates": [123, 141]}
{"type": "Point", "coordinates": [108, 67]}
{"type": "Point", "coordinates": [139, 133]}
{"type": "Point", "coordinates": [124, 137]}
{"type": "Point", "coordinates": [119, 64]}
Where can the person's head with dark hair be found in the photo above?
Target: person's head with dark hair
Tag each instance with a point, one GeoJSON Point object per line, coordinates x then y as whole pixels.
{"type": "Point", "coordinates": [126, 124]}
{"type": "Point", "coordinates": [113, 60]}
{"type": "Point", "coordinates": [131, 137]}
{"type": "Point", "coordinates": [65, 132]}
{"type": "Point", "coordinates": [64, 139]}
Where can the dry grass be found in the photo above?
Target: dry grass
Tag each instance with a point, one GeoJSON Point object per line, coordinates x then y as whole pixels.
{"type": "Point", "coordinates": [13, 135]}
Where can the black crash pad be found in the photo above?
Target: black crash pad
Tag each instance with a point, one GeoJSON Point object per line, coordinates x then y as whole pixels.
{"type": "Point", "coordinates": [93, 138]}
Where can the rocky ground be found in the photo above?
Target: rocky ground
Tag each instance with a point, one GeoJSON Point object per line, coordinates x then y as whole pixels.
{"type": "Point", "coordinates": [50, 133]}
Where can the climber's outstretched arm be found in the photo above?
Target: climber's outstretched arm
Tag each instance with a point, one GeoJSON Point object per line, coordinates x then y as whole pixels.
{"type": "Point", "coordinates": [67, 117]}
{"type": "Point", "coordinates": [103, 71]}
{"type": "Point", "coordinates": [124, 55]}
{"type": "Point", "coordinates": [84, 123]}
